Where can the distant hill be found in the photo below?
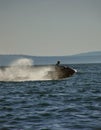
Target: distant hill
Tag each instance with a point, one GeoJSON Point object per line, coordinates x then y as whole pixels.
{"type": "Point", "coordinates": [83, 58]}
{"type": "Point", "coordinates": [95, 53]}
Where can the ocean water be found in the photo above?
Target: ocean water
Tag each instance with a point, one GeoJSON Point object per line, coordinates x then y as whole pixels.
{"type": "Point", "coordinates": [70, 104]}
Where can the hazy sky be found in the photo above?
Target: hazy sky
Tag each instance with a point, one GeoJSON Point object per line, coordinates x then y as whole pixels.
{"type": "Point", "coordinates": [50, 27]}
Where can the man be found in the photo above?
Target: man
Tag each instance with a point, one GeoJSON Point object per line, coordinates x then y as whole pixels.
{"type": "Point", "coordinates": [58, 63]}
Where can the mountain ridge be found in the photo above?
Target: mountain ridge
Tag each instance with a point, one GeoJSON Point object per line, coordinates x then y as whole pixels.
{"type": "Point", "coordinates": [82, 58]}
{"type": "Point", "coordinates": [89, 53]}
{"type": "Point", "coordinates": [83, 53]}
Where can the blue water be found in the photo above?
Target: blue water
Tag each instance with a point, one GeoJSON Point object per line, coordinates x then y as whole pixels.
{"type": "Point", "coordinates": [70, 104]}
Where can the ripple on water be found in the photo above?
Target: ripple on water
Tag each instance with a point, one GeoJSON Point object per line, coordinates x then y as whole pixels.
{"type": "Point", "coordinates": [71, 104]}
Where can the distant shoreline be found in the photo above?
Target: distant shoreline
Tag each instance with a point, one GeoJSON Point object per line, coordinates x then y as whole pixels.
{"type": "Point", "coordinates": [83, 58]}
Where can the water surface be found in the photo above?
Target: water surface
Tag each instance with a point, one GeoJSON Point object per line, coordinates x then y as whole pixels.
{"type": "Point", "coordinates": [70, 104]}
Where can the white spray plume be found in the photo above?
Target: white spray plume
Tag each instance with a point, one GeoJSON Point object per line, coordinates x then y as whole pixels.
{"type": "Point", "coordinates": [22, 62]}
{"type": "Point", "coordinates": [23, 70]}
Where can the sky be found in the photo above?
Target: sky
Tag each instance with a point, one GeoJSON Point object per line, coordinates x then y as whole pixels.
{"type": "Point", "coordinates": [50, 27]}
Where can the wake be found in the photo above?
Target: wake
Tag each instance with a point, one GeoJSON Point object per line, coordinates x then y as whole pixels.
{"type": "Point", "coordinates": [24, 70]}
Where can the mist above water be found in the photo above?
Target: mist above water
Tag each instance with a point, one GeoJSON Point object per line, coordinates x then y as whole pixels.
{"type": "Point", "coordinates": [24, 70]}
{"type": "Point", "coordinates": [22, 62]}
